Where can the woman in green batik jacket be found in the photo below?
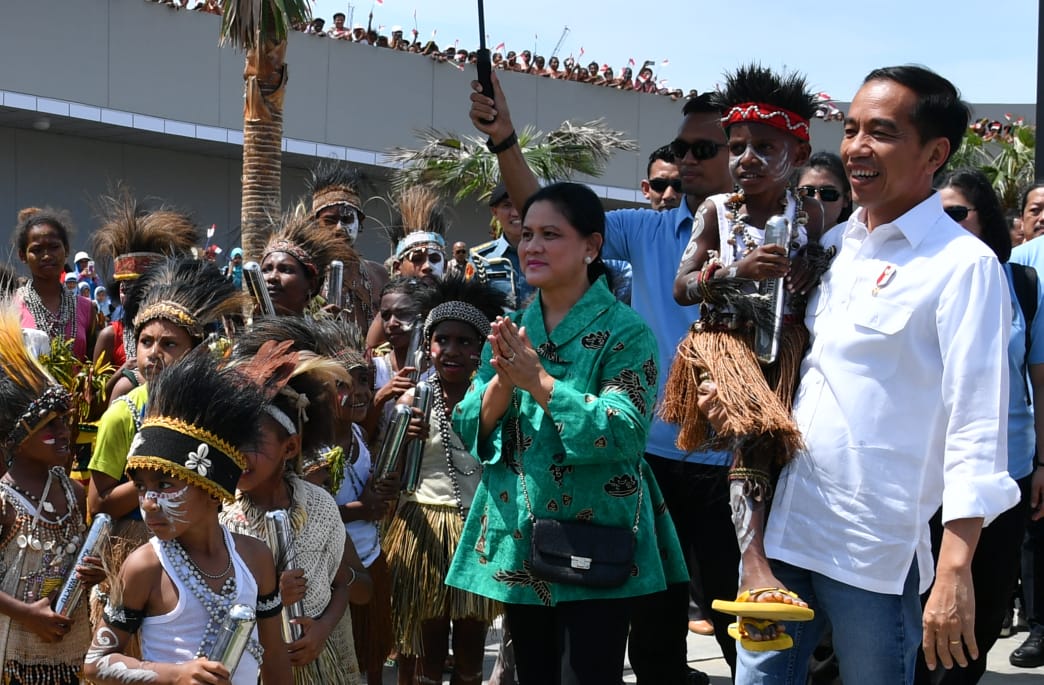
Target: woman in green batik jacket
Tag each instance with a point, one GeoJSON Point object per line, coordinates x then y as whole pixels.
{"type": "Point", "coordinates": [563, 400]}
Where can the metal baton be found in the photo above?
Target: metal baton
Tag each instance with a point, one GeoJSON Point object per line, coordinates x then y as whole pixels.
{"type": "Point", "coordinates": [281, 541]}
{"type": "Point", "coordinates": [766, 340]}
{"type": "Point", "coordinates": [233, 637]}
{"type": "Point", "coordinates": [72, 588]}
{"type": "Point", "coordinates": [422, 397]}
{"type": "Point", "coordinates": [255, 283]}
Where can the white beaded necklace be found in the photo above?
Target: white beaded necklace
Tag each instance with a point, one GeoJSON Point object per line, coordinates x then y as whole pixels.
{"type": "Point", "coordinates": [446, 434]}
{"type": "Point", "coordinates": [54, 325]}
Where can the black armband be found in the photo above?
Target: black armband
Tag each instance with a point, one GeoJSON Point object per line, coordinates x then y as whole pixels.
{"type": "Point", "coordinates": [269, 605]}
{"type": "Point", "coordinates": [127, 620]}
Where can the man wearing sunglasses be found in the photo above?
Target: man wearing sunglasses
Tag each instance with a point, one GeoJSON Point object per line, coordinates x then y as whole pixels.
{"type": "Point", "coordinates": [692, 483]}
{"type": "Point", "coordinates": [496, 262]}
{"type": "Point", "coordinates": [662, 186]}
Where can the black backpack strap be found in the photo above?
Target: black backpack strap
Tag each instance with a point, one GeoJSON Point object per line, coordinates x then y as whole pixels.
{"type": "Point", "coordinates": [1024, 282]}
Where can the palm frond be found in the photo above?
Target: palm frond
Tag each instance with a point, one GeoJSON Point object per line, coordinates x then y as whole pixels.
{"type": "Point", "coordinates": [461, 166]}
{"type": "Point", "coordinates": [246, 23]}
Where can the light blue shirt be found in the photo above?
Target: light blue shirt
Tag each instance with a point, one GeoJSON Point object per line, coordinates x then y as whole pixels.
{"type": "Point", "coordinates": [1021, 435]}
{"type": "Point", "coordinates": [653, 242]}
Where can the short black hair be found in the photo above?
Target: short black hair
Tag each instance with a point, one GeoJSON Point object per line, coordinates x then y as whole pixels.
{"type": "Point", "coordinates": [974, 186]}
{"type": "Point", "coordinates": [338, 14]}
{"type": "Point", "coordinates": [755, 83]}
{"type": "Point", "coordinates": [1025, 196]}
{"type": "Point", "coordinates": [660, 154]}
{"type": "Point", "coordinates": [828, 161]}
{"type": "Point", "coordinates": [701, 104]}
{"type": "Point", "coordinates": [939, 111]}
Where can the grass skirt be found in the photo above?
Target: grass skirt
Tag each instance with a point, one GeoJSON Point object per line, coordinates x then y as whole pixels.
{"type": "Point", "coordinates": [420, 542]}
{"type": "Point", "coordinates": [758, 427]}
{"type": "Point", "coordinates": [336, 664]}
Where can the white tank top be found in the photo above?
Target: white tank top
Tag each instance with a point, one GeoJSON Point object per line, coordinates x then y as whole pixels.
{"type": "Point", "coordinates": [173, 638]}
{"type": "Point", "coordinates": [364, 534]}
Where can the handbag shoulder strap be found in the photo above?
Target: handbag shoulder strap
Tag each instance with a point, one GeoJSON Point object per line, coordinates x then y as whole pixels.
{"type": "Point", "coordinates": [522, 471]}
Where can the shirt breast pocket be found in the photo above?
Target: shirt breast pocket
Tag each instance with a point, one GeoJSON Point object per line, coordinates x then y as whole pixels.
{"type": "Point", "coordinates": [875, 345]}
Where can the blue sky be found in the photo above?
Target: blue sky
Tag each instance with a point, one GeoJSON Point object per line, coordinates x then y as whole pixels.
{"type": "Point", "coordinates": [988, 50]}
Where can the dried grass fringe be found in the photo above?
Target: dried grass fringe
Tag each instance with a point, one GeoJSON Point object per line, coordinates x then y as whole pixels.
{"type": "Point", "coordinates": [419, 544]}
{"type": "Point", "coordinates": [757, 408]}
{"type": "Point", "coordinates": [336, 664]}
{"type": "Point", "coordinates": [128, 535]}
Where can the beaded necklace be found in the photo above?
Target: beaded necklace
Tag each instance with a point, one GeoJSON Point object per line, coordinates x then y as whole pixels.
{"type": "Point", "coordinates": [215, 604]}
{"type": "Point", "coordinates": [57, 549]}
{"type": "Point", "coordinates": [741, 231]}
{"type": "Point", "coordinates": [446, 433]}
{"type": "Point", "coordinates": [55, 325]}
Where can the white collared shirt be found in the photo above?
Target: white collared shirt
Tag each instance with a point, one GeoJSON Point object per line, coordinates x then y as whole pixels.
{"type": "Point", "coordinates": [902, 403]}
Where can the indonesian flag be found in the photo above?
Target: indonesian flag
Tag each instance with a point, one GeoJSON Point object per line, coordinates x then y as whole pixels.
{"type": "Point", "coordinates": [665, 62]}
{"type": "Point", "coordinates": [631, 62]}
{"type": "Point", "coordinates": [581, 52]}
{"type": "Point", "coordinates": [380, 2]}
{"type": "Point", "coordinates": [500, 46]}
{"type": "Point", "coordinates": [605, 68]}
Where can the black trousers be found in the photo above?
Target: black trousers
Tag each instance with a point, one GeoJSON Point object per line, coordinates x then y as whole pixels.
{"type": "Point", "coordinates": [697, 497]}
{"type": "Point", "coordinates": [995, 569]}
{"type": "Point", "coordinates": [1033, 572]}
{"type": "Point", "coordinates": [572, 643]}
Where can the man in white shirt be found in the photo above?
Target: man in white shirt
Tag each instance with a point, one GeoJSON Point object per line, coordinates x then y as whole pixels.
{"type": "Point", "coordinates": [903, 394]}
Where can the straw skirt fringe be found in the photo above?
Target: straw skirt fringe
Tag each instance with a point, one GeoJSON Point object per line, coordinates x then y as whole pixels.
{"type": "Point", "coordinates": [420, 543]}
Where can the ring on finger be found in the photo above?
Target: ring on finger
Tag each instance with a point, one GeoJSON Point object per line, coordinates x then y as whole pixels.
{"type": "Point", "coordinates": [509, 360]}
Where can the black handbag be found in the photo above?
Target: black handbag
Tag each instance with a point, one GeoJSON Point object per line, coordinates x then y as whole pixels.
{"type": "Point", "coordinates": [577, 552]}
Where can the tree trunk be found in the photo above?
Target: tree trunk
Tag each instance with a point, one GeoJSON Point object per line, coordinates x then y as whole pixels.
{"type": "Point", "coordinates": [265, 76]}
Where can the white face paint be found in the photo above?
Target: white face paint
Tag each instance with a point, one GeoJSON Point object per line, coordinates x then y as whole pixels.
{"type": "Point", "coordinates": [773, 165]}
{"type": "Point", "coordinates": [439, 269]}
{"type": "Point", "coordinates": [170, 504]}
{"type": "Point", "coordinates": [351, 229]}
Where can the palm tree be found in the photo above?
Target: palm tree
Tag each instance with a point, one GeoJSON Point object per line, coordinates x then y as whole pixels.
{"type": "Point", "coordinates": [260, 28]}
{"type": "Point", "coordinates": [1004, 151]}
{"type": "Point", "coordinates": [460, 166]}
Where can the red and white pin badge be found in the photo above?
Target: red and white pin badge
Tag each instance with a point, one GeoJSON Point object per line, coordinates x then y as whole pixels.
{"type": "Point", "coordinates": [887, 274]}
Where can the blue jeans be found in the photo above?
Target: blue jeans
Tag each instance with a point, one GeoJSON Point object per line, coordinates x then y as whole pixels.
{"type": "Point", "coordinates": [875, 635]}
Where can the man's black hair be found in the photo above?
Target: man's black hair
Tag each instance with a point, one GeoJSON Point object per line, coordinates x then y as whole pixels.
{"type": "Point", "coordinates": [700, 104]}
{"type": "Point", "coordinates": [939, 111]}
{"type": "Point", "coordinates": [660, 154]}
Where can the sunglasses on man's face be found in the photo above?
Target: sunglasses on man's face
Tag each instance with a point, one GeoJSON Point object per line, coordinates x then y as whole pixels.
{"type": "Point", "coordinates": [419, 256]}
{"type": "Point", "coordinates": [825, 193]}
{"type": "Point", "coordinates": [701, 149]}
{"type": "Point", "coordinates": [958, 212]}
{"type": "Point", "coordinates": [661, 185]}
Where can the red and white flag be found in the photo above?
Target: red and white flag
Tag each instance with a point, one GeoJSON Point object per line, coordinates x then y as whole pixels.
{"type": "Point", "coordinates": [631, 62]}
{"type": "Point", "coordinates": [581, 52]}
{"type": "Point", "coordinates": [665, 62]}
{"type": "Point", "coordinates": [500, 46]}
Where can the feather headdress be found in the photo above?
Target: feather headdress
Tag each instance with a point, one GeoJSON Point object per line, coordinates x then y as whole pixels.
{"type": "Point", "coordinates": [189, 293]}
{"type": "Point", "coordinates": [304, 404]}
{"type": "Point", "coordinates": [757, 94]}
{"type": "Point", "coordinates": [135, 238]}
{"type": "Point", "coordinates": [421, 221]}
{"type": "Point", "coordinates": [345, 340]}
{"type": "Point", "coordinates": [310, 243]}
{"type": "Point", "coordinates": [200, 414]}
{"type": "Point", "coordinates": [455, 299]}
{"type": "Point", "coordinates": [29, 397]}
{"type": "Point", "coordinates": [334, 183]}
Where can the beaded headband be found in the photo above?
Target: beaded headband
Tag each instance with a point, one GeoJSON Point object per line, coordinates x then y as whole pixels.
{"type": "Point", "coordinates": [169, 311]}
{"type": "Point", "coordinates": [336, 195]}
{"type": "Point", "coordinates": [417, 239]}
{"type": "Point", "coordinates": [294, 251]}
{"type": "Point", "coordinates": [127, 267]}
{"type": "Point", "coordinates": [761, 113]}
{"type": "Point", "coordinates": [188, 453]}
{"type": "Point", "coordinates": [54, 401]}
{"type": "Point", "coordinates": [455, 310]}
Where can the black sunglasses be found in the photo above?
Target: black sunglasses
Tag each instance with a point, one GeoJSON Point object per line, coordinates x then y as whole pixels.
{"type": "Point", "coordinates": [825, 193]}
{"type": "Point", "coordinates": [661, 185]}
{"type": "Point", "coordinates": [700, 149]}
{"type": "Point", "coordinates": [958, 212]}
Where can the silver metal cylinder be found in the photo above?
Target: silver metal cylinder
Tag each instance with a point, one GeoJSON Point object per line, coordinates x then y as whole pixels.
{"type": "Point", "coordinates": [281, 541]}
{"type": "Point", "coordinates": [233, 637]}
{"type": "Point", "coordinates": [72, 589]}
{"type": "Point", "coordinates": [422, 399]}
{"type": "Point", "coordinates": [335, 283]}
{"type": "Point", "coordinates": [391, 446]}
{"type": "Point", "coordinates": [766, 339]}
{"type": "Point", "coordinates": [255, 284]}
{"type": "Point", "coordinates": [415, 352]}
